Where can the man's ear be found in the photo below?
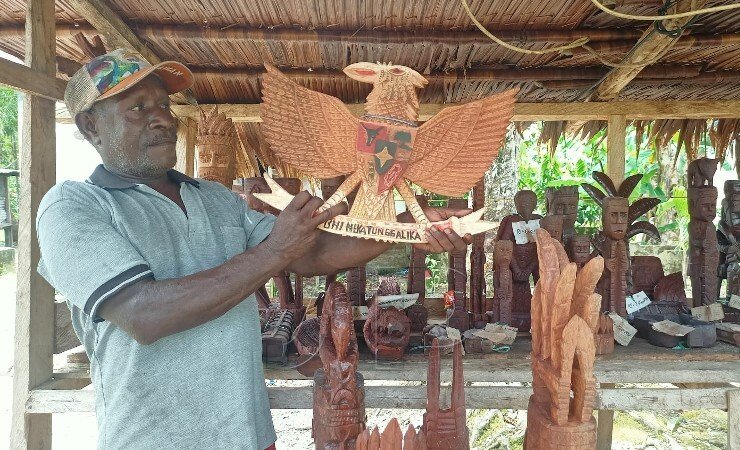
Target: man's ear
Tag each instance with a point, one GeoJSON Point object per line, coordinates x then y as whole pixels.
{"type": "Point", "coordinates": [87, 123]}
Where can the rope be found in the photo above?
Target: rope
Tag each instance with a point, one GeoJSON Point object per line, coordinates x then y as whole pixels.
{"type": "Point", "coordinates": [667, 16]}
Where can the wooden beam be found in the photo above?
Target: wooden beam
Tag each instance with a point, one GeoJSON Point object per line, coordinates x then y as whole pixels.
{"type": "Point", "coordinates": [733, 418]}
{"type": "Point", "coordinates": [604, 424]}
{"type": "Point", "coordinates": [22, 78]}
{"type": "Point", "coordinates": [118, 34]}
{"type": "Point", "coordinates": [34, 322]}
{"type": "Point", "coordinates": [651, 43]}
{"type": "Point", "coordinates": [615, 152]}
{"type": "Point", "coordinates": [187, 133]}
{"type": "Point", "coordinates": [526, 112]}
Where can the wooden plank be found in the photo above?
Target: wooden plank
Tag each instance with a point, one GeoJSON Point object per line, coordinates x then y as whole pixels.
{"type": "Point", "coordinates": [187, 133]}
{"type": "Point", "coordinates": [615, 153]}
{"type": "Point", "coordinates": [118, 34]}
{"type": "Point", "coordinates": [524, 112]}
{"type": "Point", "coordinates": [733, 419]}
{"type": "Point", "coordinates": [34, 323]}
{"type": "Point", "coordinates": [604, 424]}
{"type": "Point", "coordinates": [414, 397]}
{"type": "Point", "coordinates": [22, 78]}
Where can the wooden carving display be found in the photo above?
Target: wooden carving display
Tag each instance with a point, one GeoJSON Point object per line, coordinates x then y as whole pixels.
{"type": "Point", "coordinates": [216, 147]}
{"type": "Point", "coordinates": [618, 221]}
{"type": "Point", "coordinates": [392, 438]}
{"type": "Point", "coordinates": [703, 250]}
{"type": "Point", "coordinates": [524, 257]}
{"type": "Point", "coordinates": [387, 330]}
{"type": "Point", "coordinates": [728, 237]}
{"type": "Point", "coordinates": [502, 281]}
{"type": "Point", "coordinates": [445, 428]}
{"type": "Point", "coordinates": [384, 149]}
{"type": "Point", "coordinates": [477, 263]}
{"type": "Point", "coordinates": [563, 201]}
{"type": "Point", "coordinates": [565, 315]}
{"type": "Point", "coordinates": [339, 392]}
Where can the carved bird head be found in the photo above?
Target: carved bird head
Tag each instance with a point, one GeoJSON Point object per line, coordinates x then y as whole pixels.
{"type": "Point", "coordinates": [394, 88]}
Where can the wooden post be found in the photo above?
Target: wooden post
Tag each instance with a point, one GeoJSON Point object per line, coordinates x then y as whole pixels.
{"type": "Point", "coordinates": [733, 419]}
{"type": "Point", "coordinates": [187, 133]}
{"type": "Point", "coordinates": [604, 424]}
{"type": "Point", "coordinates": [615, 157]}
{"type": "Point", "coordinates": [34, 324]}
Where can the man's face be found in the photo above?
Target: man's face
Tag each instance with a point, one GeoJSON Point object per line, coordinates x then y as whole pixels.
{"type": "Point", "coordinates": [134, 131]}
{"type": "Point", "coordinates": [614, 218]}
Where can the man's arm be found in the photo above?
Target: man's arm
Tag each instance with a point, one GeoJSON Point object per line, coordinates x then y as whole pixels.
{"type": "Point", "coordinates": [150, 310]}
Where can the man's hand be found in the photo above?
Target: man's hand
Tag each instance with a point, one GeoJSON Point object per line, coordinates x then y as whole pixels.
{"type": "Point", "coordinates": [444, 240]}
{"type": "Point", "coordinates": [294, 232]}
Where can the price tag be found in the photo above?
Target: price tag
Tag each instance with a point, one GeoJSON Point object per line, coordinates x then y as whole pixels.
{"type": "Point", "coordinates": [734, 301]}
{"type": "Point", "coordinates": [637, 301]}
{"type": "Point", "coordinates": [402, 301]}
{"type": "Point", "coordinates": [672, 328]}
{"type": "Point", "coordinates": [524, 232]}
{"type": "Point", "coordinates": [623, 331]}
{"type": "Point", "coordinates": [708, 313]}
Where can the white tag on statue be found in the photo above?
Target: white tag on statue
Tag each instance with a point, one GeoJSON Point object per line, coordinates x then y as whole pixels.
{"type": "Point", "coordinates": [623, 331]}
{"type": "Point", "coordinates": [524, 232]}
{"type": "Point", "coordinates": [636, 302]}
{"type": "Point", "coordinates": [672, 328]}
{"type": "Point", "coordinates": [734, 301]}
{"type": "Point", "coordinates": [401, 301]}
{"type": "Point", "coordinates": [708, 313]}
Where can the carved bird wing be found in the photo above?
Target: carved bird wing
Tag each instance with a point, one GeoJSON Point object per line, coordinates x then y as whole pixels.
{"type": "Point", "coordinates": [453, 149]}
{"type": "Point", "coordinates": [311, 131]}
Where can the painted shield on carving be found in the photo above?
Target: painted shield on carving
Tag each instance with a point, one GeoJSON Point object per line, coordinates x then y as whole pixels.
{"type": "Point", "coordinates": [389, 147]}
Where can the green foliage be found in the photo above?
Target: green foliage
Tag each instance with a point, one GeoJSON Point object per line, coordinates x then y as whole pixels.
{"type": "Point", "coordinates": [9, 141]}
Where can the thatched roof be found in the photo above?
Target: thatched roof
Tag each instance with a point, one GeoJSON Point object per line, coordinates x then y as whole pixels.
{"type": "Point", "coordinates": [226, 43]}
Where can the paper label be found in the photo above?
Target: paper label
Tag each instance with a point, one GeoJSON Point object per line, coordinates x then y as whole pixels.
{"type": "Point", "coordinates": [402, 301]}
{"type": "Point", "coordinates": [636, 302]}
{"type": "Point", "coordinates": [360, 312]}
{"type": "Point", "coordinates": [708, 313]}
{"type": "Point", "coordinates": [672, 328]}
{"type": "Point", "coordinates": [623, 331]}
{"type": "Point", "coordinates": [509, 332]}
{"type": "Point", "coordinates": [524, 232]}
{"type": "Point", "coordinates": [734, 301]}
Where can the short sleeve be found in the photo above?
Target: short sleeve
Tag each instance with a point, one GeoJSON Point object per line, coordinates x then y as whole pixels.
{"type": "Point", "coordinates": [83, 255]}
{"type": "Point", "coordinates": [257, 226]}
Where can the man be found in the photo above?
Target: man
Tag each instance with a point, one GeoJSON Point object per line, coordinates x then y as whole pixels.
{"type": "Point", "coordinates": [160, 270]}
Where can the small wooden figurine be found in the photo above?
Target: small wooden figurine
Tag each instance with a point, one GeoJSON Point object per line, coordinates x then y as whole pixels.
{"type": "Point", "coordinates": [385, 149]}
{"type": "Point", "coordinates": [565, 313]}
{"type": "Point", "coordinates": [563, 201]}
{"type": "Point", "coordinates": [387, 330]}
{"type": "Point", "coordinates": [445, 428]}
{"type": "Point", "coordinates": [392, 438]}
{"type": "Point", "coordinates": [502, 282]}
{"type": "Point", "coordinates": [339, 392]}
{"type": "Point", "coordinates": [579, 249]}
{"type": "Point", "coordinates": [524, 257]}
{"type": "Point", "coordinates": [618, 222]}
{"type": "Point", "coordinates": [703, 245]}
{"type": "Point", "coordinates": [216, 147]}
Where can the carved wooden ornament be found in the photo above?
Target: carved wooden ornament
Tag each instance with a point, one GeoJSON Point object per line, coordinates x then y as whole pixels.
{"type": "Point", "coordinates": [385, 149]}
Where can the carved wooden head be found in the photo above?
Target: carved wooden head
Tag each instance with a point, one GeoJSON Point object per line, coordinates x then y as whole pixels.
{"type": "Point", "coordinates": [502, 251]}
{"type": "Point", "coordinates": [702, 203]}
{"type": "Point", "coordinates": [563, 201]}
{"type": "Point", "coordinates": [394, 88]}
{"type": "Point", "coordinates": [525, 202]}
{"type": "Point", "coordinates": [579, 248]}
{"type": "Point", "coordinates": [614, 217]}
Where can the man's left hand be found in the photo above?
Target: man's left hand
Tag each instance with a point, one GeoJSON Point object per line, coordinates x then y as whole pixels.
{"type": "Point", "coordinates": [444, 240]}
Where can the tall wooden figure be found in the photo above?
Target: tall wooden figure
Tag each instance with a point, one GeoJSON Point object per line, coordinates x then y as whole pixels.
{"type": "Point", "coordinates": [703, 250]}
{"type": "Point", "coordinates": [477, 263]}
{"type": "Point", "coordinates": [565, 313]}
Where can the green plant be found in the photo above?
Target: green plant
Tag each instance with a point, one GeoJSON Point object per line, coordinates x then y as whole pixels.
{"type": "Point", "coordinates": [9, 141]}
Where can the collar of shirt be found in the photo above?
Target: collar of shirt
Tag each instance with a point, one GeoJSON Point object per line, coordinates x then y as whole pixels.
{"type": "Point", "coordinates": [106, 179]}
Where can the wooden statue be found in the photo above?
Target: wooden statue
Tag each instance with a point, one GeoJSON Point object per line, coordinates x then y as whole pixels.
{"type": "Point", "coordinates": [563, 201]}
{"type": "Point", "coordinates": [553, 224]}
{"type": "Point", "coordinates": [477, 265]}
{"type": "Point", "coordinates": [384, 150]}
{"type": "Point", "coordinates": [392, 438]}
{"type": "Point", "coordinates": [216, 147]}
{"type": "Point", "coordinates": [701, 172]}
{"type": "Point", "coordinates": [457, 279]}
{"type": "Point", "coordinates": [670, 290]}
{"type": "Point", "coordinates": [604, 335]}
{"type": "Point", "coordinates": [703, 251]}
{"type": "Point", "coordinates": [578, 249]}
{"type": "Point", "coordinates": [445, 428]}
{"type": "Point", "coordinates": [524, 257]}
{"type": "Point", "coordinates": [565, 314]}
{"type": "Point", "coordinates": [502, 282]}
{"type": "Point", "coordinates": [416, 283]}
{"type": "Point", "coordinates": [728, 238]}
{"type": "Point", "coordinates": [338, 393]}
{"type": "Point", "coordinates": [387, 330]}
{"type": "Point", "coordinates": [647, 271]}
{"type": "Point", "coordinates": [618, 222]}
{"type": "Point", "coordinates": [306, 340]}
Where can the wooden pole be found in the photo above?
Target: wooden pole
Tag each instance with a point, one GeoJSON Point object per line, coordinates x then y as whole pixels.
{"type": "Point", "coordinates": [187, 133]}
{"type": "Point", "coordinates": [733, 419]}
{"type": "Point", "coordinates": [34, 324]}
{"type": "Point", "coordinates": [617, 127]}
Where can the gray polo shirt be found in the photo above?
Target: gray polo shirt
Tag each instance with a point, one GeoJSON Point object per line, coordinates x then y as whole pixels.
{"type": "Point", "coordinates": [203, 388]}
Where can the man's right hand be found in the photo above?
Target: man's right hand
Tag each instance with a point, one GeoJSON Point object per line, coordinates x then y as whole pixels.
{"type": "Point", "coordinates": [294, 232]}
